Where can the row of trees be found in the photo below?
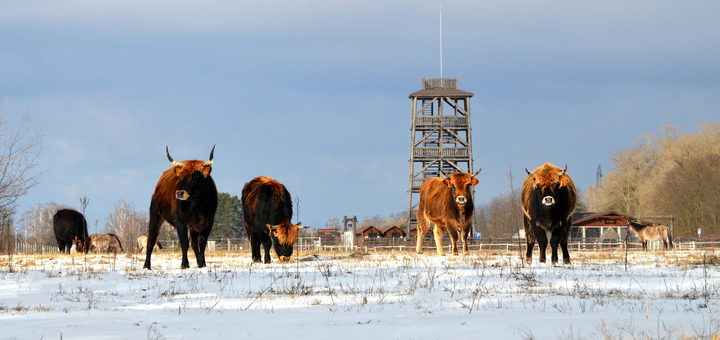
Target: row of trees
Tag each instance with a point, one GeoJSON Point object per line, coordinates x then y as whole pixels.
{"type": "Point", "coordinates": [672, 172]}
{"type": "Point", "coordinates": [36, 225]}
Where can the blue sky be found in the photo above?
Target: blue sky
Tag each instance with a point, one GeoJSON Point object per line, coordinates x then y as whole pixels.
{"type": "Point", "coordinates": [315, 93]}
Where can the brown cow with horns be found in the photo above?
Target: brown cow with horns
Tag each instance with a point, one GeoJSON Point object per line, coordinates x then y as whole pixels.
{"type": "Point", "coordinates": [548, 200]}
{"type": "Point", "coordinates": [185, 197]}
{"type": "Point", "coordinates": [448, 204]}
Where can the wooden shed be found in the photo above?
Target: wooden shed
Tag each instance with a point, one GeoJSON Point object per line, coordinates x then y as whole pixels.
{"type": "Point", "coordinates": [609, 225]}
{"type": "Point", "coordinates": [392, 232]}
{"type": "Point", "coordinates": [370, 231]}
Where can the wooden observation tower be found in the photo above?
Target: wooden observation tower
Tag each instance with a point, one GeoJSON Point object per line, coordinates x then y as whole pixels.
{"type": "Point", "coordinates": [440, 137]}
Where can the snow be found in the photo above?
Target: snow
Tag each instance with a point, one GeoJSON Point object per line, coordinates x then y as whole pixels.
{"type": "Point", "coordinates": [384, 296]}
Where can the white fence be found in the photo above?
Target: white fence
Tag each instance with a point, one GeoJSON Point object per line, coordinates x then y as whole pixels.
{"type": "Point", "coordinates": [402, 245]}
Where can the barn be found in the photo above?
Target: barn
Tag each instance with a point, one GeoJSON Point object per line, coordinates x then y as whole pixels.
{"type": "Point", "coordinates": [598, 226]}
{"type": "Point", "coordinates": [392, 232]}
{"type": "Point", "coordinates": [370, 231]}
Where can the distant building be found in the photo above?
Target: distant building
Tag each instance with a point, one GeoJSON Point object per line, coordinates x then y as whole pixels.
{"type": "Point", "coordinates": [369, 231]}
{"type": "Point", "coordinates": [327, 233]}
{"type": "Point", "coordinates": [598, 226]}
{"type": "Point", "coordinates": [392, 232]}
{"type": "Point", "coordinates": [386, 232]}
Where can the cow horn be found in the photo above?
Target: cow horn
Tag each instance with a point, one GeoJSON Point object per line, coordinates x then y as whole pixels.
{"type": "Point", "coordinates": [529, 173]}
{"type": "Point", "coordinates": [174, 163]}
{"type": "Point", "coordinates": [273, 227]}
{"type": "Point", "coordinates": [562, 173]}
{"type": "Point", "coordinates": [210, 161]}
{"type": "Point", "coordinates": [477, 173]}
{"type": "Point", "coordinates": [299, 226]}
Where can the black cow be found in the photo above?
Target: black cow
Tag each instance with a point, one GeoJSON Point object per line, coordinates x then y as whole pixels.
{"type": "Point", "coordinates": [548, 200]}
{"type": "Point", "coordinates": [267, 211]}
{"type": "Point", "coordinates": [187, 198]}
{"type": "Point", "coordinates": [70, 227]}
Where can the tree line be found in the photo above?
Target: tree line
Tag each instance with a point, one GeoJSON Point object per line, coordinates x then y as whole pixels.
{"type": "Point", "coordinates": [667, 173]}
{"type": "Point", "coordinates": [671, 172]}
{"type": "Point", "coordinates": [35, 226]}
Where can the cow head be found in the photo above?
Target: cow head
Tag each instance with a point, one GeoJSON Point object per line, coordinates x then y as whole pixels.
{"type": "Point", "coordinates": [283, 236]}
{"type": "Point", "coordinates": [547, 180]}
{"type": "Point", "coordinates": [193, 175]}
{"type": "Point", "coordinates": [82, 244]}
{"type": "Point", "coordinates": [460, 185]}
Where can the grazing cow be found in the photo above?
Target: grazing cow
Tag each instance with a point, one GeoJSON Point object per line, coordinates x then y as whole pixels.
{"type": "Point", "coordinates": [105, 243]}
{"type": "Point", "coordinates": [448, 204]}
{"type": "Point", "coordinates": [185, 197]}
{"type": "Point", "coordinates": [653, 232]}
{"type": "Point", "coordinates": [548, 200]}
{"type": "Point", "coordinates": [70, 227]}
{"type": "Point", "coordinates": [267, 211]}
{"type": "Point", "coordinates": [142, 244]}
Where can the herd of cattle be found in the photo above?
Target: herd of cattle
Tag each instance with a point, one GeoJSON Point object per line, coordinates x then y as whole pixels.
{"type": "Point", "coordinates": [186, 197]}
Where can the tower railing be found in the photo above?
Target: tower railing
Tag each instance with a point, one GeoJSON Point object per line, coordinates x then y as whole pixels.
{"type": "Point", "coordinates": [424, 152]}
{"type": "Point", "coordinates": [439, 83]}
{"type": "Point", "coordinates": [444, 121]}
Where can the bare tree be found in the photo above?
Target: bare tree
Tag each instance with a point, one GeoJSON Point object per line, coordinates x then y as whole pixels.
{"type": "Point", "coordinates": [333, 223]}
{"type": "Point", "coordinates": [36, 224]}
{"type": "Point", "coordinates": [19, 153]}
{"type": "Point", "coordinates": [7, 235]}
{"type": "Point", "coordinates": [127, 224]}
{"type": "Point", "coordinates": [18, 157]}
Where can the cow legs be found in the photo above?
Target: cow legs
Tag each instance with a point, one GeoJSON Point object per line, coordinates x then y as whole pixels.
{"type": "Point", "coordinates": [542, 240]}
{"type": "Point", "coordinates": [182, 232]}
{"type": "Point", "coordinates": [255, 248]}
{"type": "Point", "coordinates": [202, 243]}
{"type": "Point", "coordinates": [529, 239]}
{"type": "Point", "coordinates": [267, 244]}
{"type": "Point", "coordinates": [555, 239]}
{"type": "Point", "coordinates": [439, 231]}
{"type": "Point", "coordinates": [453, 232]}
{"type": "Point", "coordinates": [564, 243]}
{"type": "Point", "coordinates": [464, 237]}
{"type": "Point", "coordinates": [195, 245]}
{"type": "Point", "coordinates": [422, 228]}
{"type": "Point", "coordinates": [153, 232]}
{"type": "Point", "coordinates": [61, 244]}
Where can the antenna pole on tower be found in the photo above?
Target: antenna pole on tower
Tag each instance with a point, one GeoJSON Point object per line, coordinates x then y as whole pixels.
{"type": "Point", "coordinates": [441, 56]}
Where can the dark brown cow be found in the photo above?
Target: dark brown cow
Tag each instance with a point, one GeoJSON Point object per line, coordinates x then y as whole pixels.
{"type": "Point", "coordinates": [70, 227]}
{"type": "Point", "coordinates": [267, 211]}
{"type": "Point", "coordinates": [448, 204]}
{"type": "Point", "coordinates": [548, 200]}
{"type": "Point", "coordinates": [105, 243]}
{"type": "Point", "coordinates": [185, 197]}
{"type": "Point", "coordinates": [651, 232]}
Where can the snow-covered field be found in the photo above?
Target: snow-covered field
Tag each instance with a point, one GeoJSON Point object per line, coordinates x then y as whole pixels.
{"type": "Point", "coordinates": [382, 296]}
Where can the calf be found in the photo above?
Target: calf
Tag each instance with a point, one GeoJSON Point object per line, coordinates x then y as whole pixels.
{"type": "Point", "coordinates": [448, 204]}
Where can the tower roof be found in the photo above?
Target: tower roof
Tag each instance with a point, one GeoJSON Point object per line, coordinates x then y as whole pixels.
{"type": "Point", "coordinates": [432, 93]}
{"type": "Point", "coordinates": [440, 87]}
